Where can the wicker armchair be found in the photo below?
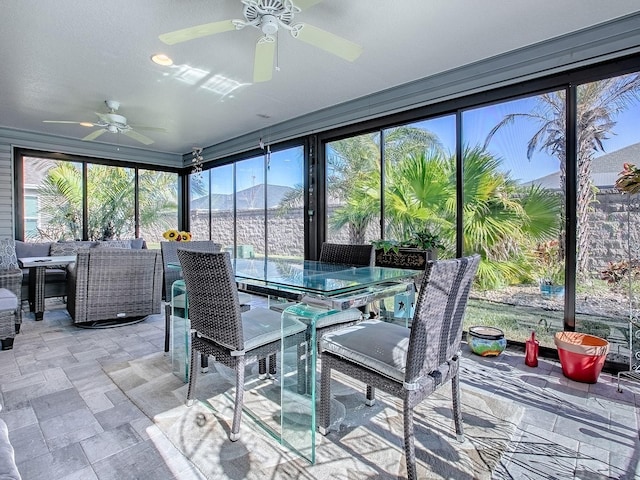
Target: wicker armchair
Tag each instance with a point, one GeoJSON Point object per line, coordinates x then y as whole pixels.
{"type": "Point", "coordinates": [220, 329]}
{"type": "Point", "coordinates": [111, 283]}
{"type": "Point", "coordinates": [408, 363]}
{"type": "Point", "coordinates": [10, 321]}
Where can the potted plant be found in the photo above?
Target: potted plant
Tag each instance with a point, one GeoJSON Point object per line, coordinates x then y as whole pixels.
{"type": "Point", "coordinates": [413, 252]}
{"type": "Point", "coordinates": [551, 270]}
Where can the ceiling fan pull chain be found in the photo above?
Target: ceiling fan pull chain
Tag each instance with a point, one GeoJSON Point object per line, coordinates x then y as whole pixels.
{"type": "Point", "coordinates": [277, 52]}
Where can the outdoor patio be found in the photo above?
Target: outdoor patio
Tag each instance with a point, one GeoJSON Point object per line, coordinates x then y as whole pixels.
{"type": "Point", "coordinates": [103, 404]}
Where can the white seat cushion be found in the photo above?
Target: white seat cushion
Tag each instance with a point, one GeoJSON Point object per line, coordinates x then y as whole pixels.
{"type": "Point", "coordinates": [8, 300]}
{"type": "Point", "coordinates": [377, 345]}
{"type": "Point", "coordinates": [324, 317]}
{"type": "Point", "coordinates": [261, 326]}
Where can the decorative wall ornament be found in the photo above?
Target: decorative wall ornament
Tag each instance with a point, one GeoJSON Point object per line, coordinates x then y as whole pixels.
{"type": "Point", "coordinates": [197, 160]}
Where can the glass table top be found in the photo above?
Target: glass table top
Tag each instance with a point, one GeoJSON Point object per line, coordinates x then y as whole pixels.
{"type": "Point", "coordinates": [312, 277]}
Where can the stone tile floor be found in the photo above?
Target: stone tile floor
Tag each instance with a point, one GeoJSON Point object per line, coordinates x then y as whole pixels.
{"type": "Point", "coordinates": [67, 420]}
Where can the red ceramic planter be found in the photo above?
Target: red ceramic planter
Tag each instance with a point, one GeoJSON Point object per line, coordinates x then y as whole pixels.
{"type": "Point", "coordinates": [581, 355]}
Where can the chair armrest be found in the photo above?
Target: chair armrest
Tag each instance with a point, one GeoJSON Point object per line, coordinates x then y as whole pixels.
{"type": "Point", "coordinates": [12, 280]}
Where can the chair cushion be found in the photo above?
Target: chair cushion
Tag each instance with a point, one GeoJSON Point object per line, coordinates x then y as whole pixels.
{"type": "Point", "coordinates": [324, 317]}
{"type": "Point", "coordinates": [8, 259]}
{"type": "Point", "coordinates": [379, 346]}
{"type": "Point", "coordinates": [8, 300]}
{"type": "Point", "coordinates": [261, 326]}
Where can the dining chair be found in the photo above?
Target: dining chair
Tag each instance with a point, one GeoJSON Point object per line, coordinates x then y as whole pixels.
{"type": "Point", "coordinates": [348, 254]}
{"type": "Point", "coordinates": [343, 254]}
{"type": "Point", "coordinates": [220, 329]}
{"type": "Point", "coordinates": [169, 251]}
{"type": "Point", "coordinates": [410, 363]}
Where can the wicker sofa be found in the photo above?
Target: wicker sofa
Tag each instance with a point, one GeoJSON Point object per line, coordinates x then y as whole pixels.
{"type": "Point", "coordinates": [107, 284]}
{"type": "Point", "coordinates": [56, 278]}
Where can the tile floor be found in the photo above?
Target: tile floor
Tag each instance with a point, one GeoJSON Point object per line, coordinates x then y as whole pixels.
{"type": "Point", "coordinates": [67, 420]}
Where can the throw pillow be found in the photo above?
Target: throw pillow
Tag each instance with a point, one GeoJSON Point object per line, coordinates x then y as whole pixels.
{"type": "Point", "coordinates": [8, 259]}
{"type": "Point", "coordinates": [65, 249]}
{"type": "Point", "coordinates": [32, 249]}
{"type": "Point", "coordinates": [137, 243]}
{"type": "Point", "coordinates": [126, 244]}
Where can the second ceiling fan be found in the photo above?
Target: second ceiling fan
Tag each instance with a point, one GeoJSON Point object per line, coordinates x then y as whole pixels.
{"type": "Point", "coordinates": [270, 16]}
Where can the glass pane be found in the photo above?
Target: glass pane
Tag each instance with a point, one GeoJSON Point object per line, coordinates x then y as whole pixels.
{"type": "Point", "coordinates": [513, 214]}
{"type": "Point", "coordinates": [419, 191]}
{"type": "Point", "coordinates": [608, 235]}
{"type": "Point", "coordinates": [222, 223]}
{"type": "Point", "coordinates": [285, 203]}
{"type": "Point", "coordinates": [158, 204]}
{"type": "Point", "coordinates": [353, 189]}
{"type": "Point", "coordinates": [110, 202]}
{"type": "Point", "coordinates": [250, 210]}
{"type": "Point", "coordinates": [199, 209]}
{"type": "Point", "coordinates": [52, 200]}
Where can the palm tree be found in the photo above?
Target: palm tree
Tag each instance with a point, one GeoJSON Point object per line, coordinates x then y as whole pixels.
{"type": "Point", "coordinates": [354, 170]}
{"type": "Point", "coordinates": [502, 220]}
{"type": "Point", "coordinates": [110, 193]}
{"type": "Point", "coordinates": [598, 103]}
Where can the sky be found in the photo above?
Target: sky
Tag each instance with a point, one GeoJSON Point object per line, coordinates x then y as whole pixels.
{"type": "Point", "coordinates": [509, 144]}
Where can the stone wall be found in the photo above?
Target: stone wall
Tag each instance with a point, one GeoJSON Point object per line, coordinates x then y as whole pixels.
{"type": "Point", "coordinates": [608, 221]}
{"type": "Point", "coordinates": [610, 228]}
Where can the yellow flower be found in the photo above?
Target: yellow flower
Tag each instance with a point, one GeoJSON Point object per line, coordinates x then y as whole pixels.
{"type": "Point", "coordinates": [171, 235]}
{"type": "Point", "coordinates": [185, 236]}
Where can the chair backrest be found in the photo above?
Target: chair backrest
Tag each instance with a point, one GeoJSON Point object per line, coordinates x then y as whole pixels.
{"type": "Point", "coordinates": [436, 331]}
{"type": "Point", "coordinates": [348, 254]}
{"type": "Point", "coordinates": [214, 308]}
{"type": "Point", "coordinates": [169, 252]}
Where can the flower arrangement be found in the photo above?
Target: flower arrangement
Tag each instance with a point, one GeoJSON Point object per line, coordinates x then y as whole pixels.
{"type": "Point", "coordinates": [629, 179]}
{"type": "Point", "coordinates": [176, 236]}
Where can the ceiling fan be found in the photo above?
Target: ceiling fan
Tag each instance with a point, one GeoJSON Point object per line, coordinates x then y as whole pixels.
{"type": "Point", "coordinates": [269, 16]}
{"type": "Point", "coordinates": [114, 123]}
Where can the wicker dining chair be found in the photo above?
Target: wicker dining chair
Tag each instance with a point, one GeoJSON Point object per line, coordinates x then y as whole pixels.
{"type": "Point", "coordinates": [344, 254]}
{"type": "Point", "coordinates": [408, 363]}
{"type": "Point", "coordinates": [220, 329]}
{"type": "Point", "coordinates": [169, 252]}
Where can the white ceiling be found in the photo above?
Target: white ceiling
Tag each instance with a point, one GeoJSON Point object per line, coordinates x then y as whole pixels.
{"type": "Point", "coordinates": [62, 59]}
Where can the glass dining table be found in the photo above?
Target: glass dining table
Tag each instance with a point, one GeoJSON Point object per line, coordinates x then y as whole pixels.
{"type": "Point", "coordinates": [313, 290]}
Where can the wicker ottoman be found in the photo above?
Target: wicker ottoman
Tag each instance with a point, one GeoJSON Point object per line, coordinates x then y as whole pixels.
{"type": "Point", "coordinates": [8, 307]}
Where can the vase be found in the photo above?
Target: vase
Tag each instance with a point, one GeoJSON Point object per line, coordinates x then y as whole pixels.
{"type": "Point", "coordinates": [486, 341]}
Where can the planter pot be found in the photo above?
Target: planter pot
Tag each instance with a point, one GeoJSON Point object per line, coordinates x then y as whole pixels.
{"type": "Point", "coordinates": [486, 341]}
{"type": "Point", "coordinates": [552, 292]}
{"type": "Point", "coordinates": [581, 355]}
{"type": "Point", "coordinates": [411, 258]}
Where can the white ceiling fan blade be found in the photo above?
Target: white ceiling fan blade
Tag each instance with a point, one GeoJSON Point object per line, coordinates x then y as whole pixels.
{"type": "Point", "coordinates": [148, 129]}
{"type": "Point", "coordinates": [263, 62]}
{"type": "Point", "coordinates": [329, 42]}
{"type": "Point", "coordinates": [138, 136]}
{"type": "Point", "coordinates": [198, 31]}
{"type": "Point", "coordinates": [60, 121]}
{"type": "Point", "coordinates": [304, 4]}
{"type": "Point", "coordinates": [95, 134]}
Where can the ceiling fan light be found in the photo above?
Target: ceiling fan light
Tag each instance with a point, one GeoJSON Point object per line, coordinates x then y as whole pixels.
{"type": "Point", "coordinates": [269, 25]}
{"type": "Point", "coordinates": [86, 124]}
{"type": "Point", "coordinates": [162, 59]}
